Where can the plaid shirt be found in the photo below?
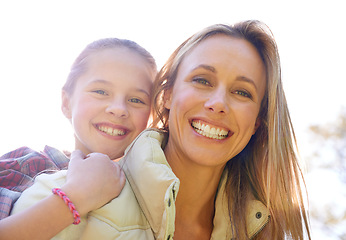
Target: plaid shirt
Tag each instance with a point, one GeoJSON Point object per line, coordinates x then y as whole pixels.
{"type": "Point", "coordinates": [19, 168]}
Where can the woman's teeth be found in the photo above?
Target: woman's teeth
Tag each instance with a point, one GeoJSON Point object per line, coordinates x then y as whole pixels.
{"type": "Point", "coordinates": [112, 131]}
{"type": "Point", "coordinates": [209, 132]}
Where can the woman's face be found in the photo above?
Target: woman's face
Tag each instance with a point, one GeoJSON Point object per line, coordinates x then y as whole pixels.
{"type": "Point", "coordinates": [215, 100]}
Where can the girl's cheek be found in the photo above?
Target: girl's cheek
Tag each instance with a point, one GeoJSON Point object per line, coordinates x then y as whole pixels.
{"type": "Point", "coordinates": [142, 119]}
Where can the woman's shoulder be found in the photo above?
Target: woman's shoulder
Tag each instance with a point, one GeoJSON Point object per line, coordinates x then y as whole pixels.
{"type": "Point", "coordinates": [152, 133]}
{"type": "Point", "coordinates": [122, 216]}
{"type": "Point", "coordinates": [149, 137]}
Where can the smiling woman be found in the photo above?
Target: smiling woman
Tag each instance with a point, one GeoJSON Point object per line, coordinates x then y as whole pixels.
{"type": "Point", "coordinates": [209, 90]}
{"type": "Point", "coordinates": [228, 78]}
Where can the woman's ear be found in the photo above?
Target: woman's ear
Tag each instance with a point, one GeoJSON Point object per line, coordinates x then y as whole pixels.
{"type": "Point", "coordinates": [257, 124]}
{"type": "Point", "coordinates": [65, 105]}
{"type": "Point", "coordinates": [167, 98]}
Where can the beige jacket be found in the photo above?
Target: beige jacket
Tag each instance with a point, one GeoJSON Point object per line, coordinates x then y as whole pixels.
{"type": "Point", "coordinates": [145, 208]}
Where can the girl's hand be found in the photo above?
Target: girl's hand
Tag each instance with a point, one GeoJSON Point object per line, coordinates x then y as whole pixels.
{"type": "Point", "coordinates": [92, 181]}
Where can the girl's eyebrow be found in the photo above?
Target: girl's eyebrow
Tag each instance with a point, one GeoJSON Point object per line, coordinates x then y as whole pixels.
{"type": "Point", "coordinates": [143, 91]}
{"type": "Point", "coordinates": [109, 83]}
{"type": "Point", "coordinates": [101, 81]}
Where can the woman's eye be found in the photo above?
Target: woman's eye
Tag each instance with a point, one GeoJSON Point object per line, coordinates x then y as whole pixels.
{"type": "Point", "coordinates": [136, 100]}
{"type": "Point", "coordinates": [243, 93]}
{"type": "Point", "coordinates": [201, 81]}
{"type": "Point", "coordinates": [101, 92]}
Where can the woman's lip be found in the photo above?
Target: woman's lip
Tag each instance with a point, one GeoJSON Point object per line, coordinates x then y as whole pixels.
{"type": "Point", "coordinates": [210, 124]}
{"type": "Point", "coordinates": [209, 130]}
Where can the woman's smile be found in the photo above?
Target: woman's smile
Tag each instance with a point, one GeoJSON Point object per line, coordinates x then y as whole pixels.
{"type": "Point", "coordinates": [210, 131]}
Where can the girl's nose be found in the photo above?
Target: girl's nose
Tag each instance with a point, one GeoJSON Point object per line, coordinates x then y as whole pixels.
{"type": "Point", "coordinates": [118, 108]}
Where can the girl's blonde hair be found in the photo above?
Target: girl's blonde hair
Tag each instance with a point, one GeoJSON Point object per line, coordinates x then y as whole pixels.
{"type": "Point", "coordinates": [80, 65]}
{"type": "Point", "coordinates": [268, 167]}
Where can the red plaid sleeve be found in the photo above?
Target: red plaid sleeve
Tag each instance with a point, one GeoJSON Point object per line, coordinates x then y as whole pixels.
{"type": "Point", "coordinates": [19, 168]}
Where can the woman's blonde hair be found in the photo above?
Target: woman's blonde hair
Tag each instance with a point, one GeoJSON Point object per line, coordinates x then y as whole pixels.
{"type": "Point", "coordinates": [268, 166]}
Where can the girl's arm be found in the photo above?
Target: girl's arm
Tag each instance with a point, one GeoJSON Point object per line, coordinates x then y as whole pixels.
{"type": "Point", "coordinates": [91, 183]}
{"type": "Point", "coordinates": [41, 221]}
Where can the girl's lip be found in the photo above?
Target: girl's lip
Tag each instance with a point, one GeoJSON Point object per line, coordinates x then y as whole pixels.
{"type": "Point", "coordinates": [112, 130]}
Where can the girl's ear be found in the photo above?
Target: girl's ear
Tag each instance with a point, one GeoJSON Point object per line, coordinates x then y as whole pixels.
{"type": "Point", "coordinates": [257, 124]}
{"type": "Point", "coordinates": [167, 98]}
{"type": "Point", "coordinates": [65, 105]}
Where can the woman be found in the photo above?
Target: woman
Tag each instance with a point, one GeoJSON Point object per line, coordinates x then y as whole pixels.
{"type": "Point", "coordinates": [267, 168]}
{"type": "Point", "coordinates": [223, 166]}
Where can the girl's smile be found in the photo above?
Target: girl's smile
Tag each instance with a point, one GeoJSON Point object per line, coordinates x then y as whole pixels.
{"type": "Point", "coordinates": [111, 130]}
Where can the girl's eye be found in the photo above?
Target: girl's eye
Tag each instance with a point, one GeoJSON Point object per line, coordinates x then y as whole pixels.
{"type": "Point", "coordinates": [136, 100]}
{"type": "Point", "coordinates": [101, 92]}
{"type": "Point", "coordinates": [243, 93]}
{"type": "Point", "coordinates": [201, 81]}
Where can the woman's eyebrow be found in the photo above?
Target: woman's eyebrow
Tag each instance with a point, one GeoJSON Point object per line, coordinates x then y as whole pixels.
{"type": "Point", "coordinates": [248, 80]}
{"type": "Point", "coordinates": [240, 78]}
{"type": "Point", "coordinates": [206, 67]}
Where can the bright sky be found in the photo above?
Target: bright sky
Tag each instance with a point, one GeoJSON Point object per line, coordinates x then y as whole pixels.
{"type": "Point", "coordinates": [40, 40]}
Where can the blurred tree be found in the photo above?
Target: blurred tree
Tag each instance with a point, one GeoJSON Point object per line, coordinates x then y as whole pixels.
{"type": "Point", "coordinates": [331, 139]}
{"type": "Point", "coordinates": [326, 179]}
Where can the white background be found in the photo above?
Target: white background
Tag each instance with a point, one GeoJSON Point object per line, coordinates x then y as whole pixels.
{"type": "Point", "coordinates": [40, 39]}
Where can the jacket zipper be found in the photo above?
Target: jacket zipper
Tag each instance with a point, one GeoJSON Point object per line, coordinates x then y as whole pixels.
{"type": "Point", "coordinates": [265, 224]}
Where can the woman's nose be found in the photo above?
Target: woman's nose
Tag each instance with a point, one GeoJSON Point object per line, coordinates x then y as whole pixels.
{"type": "Point", "coordinates": [118, 108]}
{"type": "Point", "coordinates": [217, 102]}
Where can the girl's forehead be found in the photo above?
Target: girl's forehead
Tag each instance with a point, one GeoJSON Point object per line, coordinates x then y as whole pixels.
{"type": "Point", "coordinates": [120, 55]}
{"type": "Point", "coordinates": [116, 66]}
{"type": "Point", "coordinates": [111, 53]}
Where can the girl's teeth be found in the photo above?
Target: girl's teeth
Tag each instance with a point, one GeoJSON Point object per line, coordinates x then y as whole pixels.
{"type": "Point", "coordinates": [111, 131]}
{"type": "Point", "coordinates": [205, 130]}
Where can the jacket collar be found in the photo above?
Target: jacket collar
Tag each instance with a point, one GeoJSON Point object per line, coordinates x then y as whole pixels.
{"type": "Point", "coordinates": [156, 187]}
{"type": "Point", "coordinates": [257, 215]}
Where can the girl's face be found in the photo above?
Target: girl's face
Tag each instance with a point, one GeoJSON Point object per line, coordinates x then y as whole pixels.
{"type": "Point", "coordinates": [215, 101]}
{"type": "Point", "coordinates": [110, 105]}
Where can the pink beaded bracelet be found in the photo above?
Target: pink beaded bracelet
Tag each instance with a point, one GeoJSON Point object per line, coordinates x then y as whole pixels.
{"type": "Point", "coordinates": [68, 202]}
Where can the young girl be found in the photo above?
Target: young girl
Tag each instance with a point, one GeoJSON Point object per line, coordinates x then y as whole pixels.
{"type": "Point", "coordinates": [107, 99]}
